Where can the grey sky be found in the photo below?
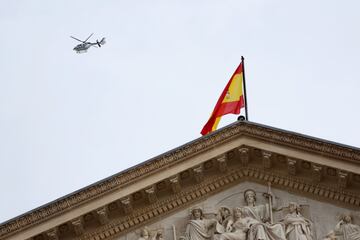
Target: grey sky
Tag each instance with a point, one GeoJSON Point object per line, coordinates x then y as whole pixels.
{"type": "Point", "coordinates": [69, 120]}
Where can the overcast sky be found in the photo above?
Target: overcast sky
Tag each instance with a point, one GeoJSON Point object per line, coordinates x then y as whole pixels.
{"type": "Point", "coordinates": [68, 120]}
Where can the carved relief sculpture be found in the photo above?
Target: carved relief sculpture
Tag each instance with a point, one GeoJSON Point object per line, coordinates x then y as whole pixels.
{"type": "Point", "coordinates": [346, 230]}
{"type": "Point", "coordinates": [223, 217]}
{"type": "Point", "coordinates": [330, 236]}
{"type": "Point", "coordinates": [260, 214]}
{"type": "Point", "coordinates": [296, 226]}
{"type": "Point", "coordinates": [146, 234]}
{"type": "Point", "coordinates": [236, 228]}
{"type": "Point", "coordinates": [198, 228]}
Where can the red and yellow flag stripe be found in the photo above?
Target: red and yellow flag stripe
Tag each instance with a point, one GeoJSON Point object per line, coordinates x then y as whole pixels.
{"type": "Point", "coordinates": [230, 101]}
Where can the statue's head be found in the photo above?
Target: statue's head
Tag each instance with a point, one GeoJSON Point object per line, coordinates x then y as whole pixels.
{"type": "Point", "coordinates": [238, 213]}
{"type": "Point", "coordinates": [346, 217]}
{"type": "Point", "coordinates": [294, 207]}
{"type": "Point", "coordinates": [144, 232]}
{"type": "Point", "coordinates": [159, 234]}
{"type": "Point", "coordinates": [197, 213]}
{"type": "Point", "coordinates": [250, 196]}
{"type": "Point", "coordinates": [224, 212]}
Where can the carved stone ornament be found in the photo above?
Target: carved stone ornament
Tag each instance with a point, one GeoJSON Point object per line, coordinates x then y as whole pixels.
{"type": "Point", "coordinates": [147, 234]}
{"type": "Point", "coordinates": [102, 214]}
{"type": "Point", "coordinates": [221, 160]}
{"type": "Point", "coordinates": [252, 221]}
{"type": "Point", "coordinates": [52, 234]}
{"type": "Point", "coordinates": [244, 155]}
{"type": "Point", "coordinates": [78, 226]}
{"type": "Point", "coordinates": [345, 229]}
{"type": "Point", "coordinates": [317, 172]}
{"type": "Point", "coordinates": [175, 184]}
{"type": "Point", "coordinates": [248, 222]}
{"type": "Point", "coordinates": [126, 205]}
{"type": "Point", "coordinates": [343, 178]}
{"type": "Point", "coordinates": [151, 194]}
{"type": "Point", "coordinates": [267, 162]}
{"type": "Point", "coordinates": [198, 173]}
{"type": "Point", "coordinates": [291, 164]}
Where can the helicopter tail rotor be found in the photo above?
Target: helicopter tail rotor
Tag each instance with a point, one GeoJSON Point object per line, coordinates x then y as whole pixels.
{"type": "Point", "coordinates": [102, 42]}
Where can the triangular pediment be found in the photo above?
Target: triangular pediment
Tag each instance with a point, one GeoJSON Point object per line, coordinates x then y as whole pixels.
{"type": "Point", "coordinates": [204, 172]}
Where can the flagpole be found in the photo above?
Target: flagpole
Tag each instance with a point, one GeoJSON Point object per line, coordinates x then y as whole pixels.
{"type": "Point", "coordinates": [246, 109]}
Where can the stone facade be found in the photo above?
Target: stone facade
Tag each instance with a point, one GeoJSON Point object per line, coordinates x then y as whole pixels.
{"type": "Point", "coordinates": [154, 199]}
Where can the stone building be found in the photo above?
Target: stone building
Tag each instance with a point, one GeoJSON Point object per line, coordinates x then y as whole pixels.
{"type": "Point", "coordinates": [244, 181]}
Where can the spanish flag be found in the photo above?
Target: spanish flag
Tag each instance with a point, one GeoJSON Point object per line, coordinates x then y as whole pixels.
{"type": "Point", "coordinates": [230, 101]}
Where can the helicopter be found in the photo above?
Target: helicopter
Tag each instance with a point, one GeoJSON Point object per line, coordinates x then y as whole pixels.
{"type": "Point", "coordinates": [85, 45]}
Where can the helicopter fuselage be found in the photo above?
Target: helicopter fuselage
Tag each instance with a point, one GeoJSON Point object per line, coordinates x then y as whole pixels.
{"type": "Point", "coordinates": [83, 47]}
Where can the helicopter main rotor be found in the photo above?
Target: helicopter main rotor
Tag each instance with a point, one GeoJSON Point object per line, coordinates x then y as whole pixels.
{"type": "Point", "coordinates": [81, 40]}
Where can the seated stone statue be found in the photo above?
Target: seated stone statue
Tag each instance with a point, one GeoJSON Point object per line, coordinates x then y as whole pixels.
{"type": "Point", "coordinates": [346, 229]}
{"type": "Point", "coordinates": [198, 228]}
{"type": "Point", "coordinates": [259, 228]}
{"type": "Point", "coordinates": [296, 226]}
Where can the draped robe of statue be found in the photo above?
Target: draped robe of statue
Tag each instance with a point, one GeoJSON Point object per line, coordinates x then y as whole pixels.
{"type": "Point", "coordinates": [198, 229]}
{"type": "Point", "coordinates": [258, 230]}
{"type": "Point", "coordinates": [348, 231]}
{"type": "Point", "coordinates": [297, 227]}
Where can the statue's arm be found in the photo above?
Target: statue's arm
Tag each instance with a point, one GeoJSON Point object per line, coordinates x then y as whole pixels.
{"type": "Point", "coordinates": [337, 228]}
{"type": "Point", "coordinates": [229, 226]}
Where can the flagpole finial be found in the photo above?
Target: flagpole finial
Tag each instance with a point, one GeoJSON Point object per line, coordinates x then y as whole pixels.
{"type": "Point", "coordinates": [241, 118]}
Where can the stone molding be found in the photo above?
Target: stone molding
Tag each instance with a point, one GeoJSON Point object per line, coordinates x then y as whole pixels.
{"type": "Point", "coordinates": [182, 153]}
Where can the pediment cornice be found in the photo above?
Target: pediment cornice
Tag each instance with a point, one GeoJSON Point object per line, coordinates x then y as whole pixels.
{"type": "Point", "coordinates": [183, 153]}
